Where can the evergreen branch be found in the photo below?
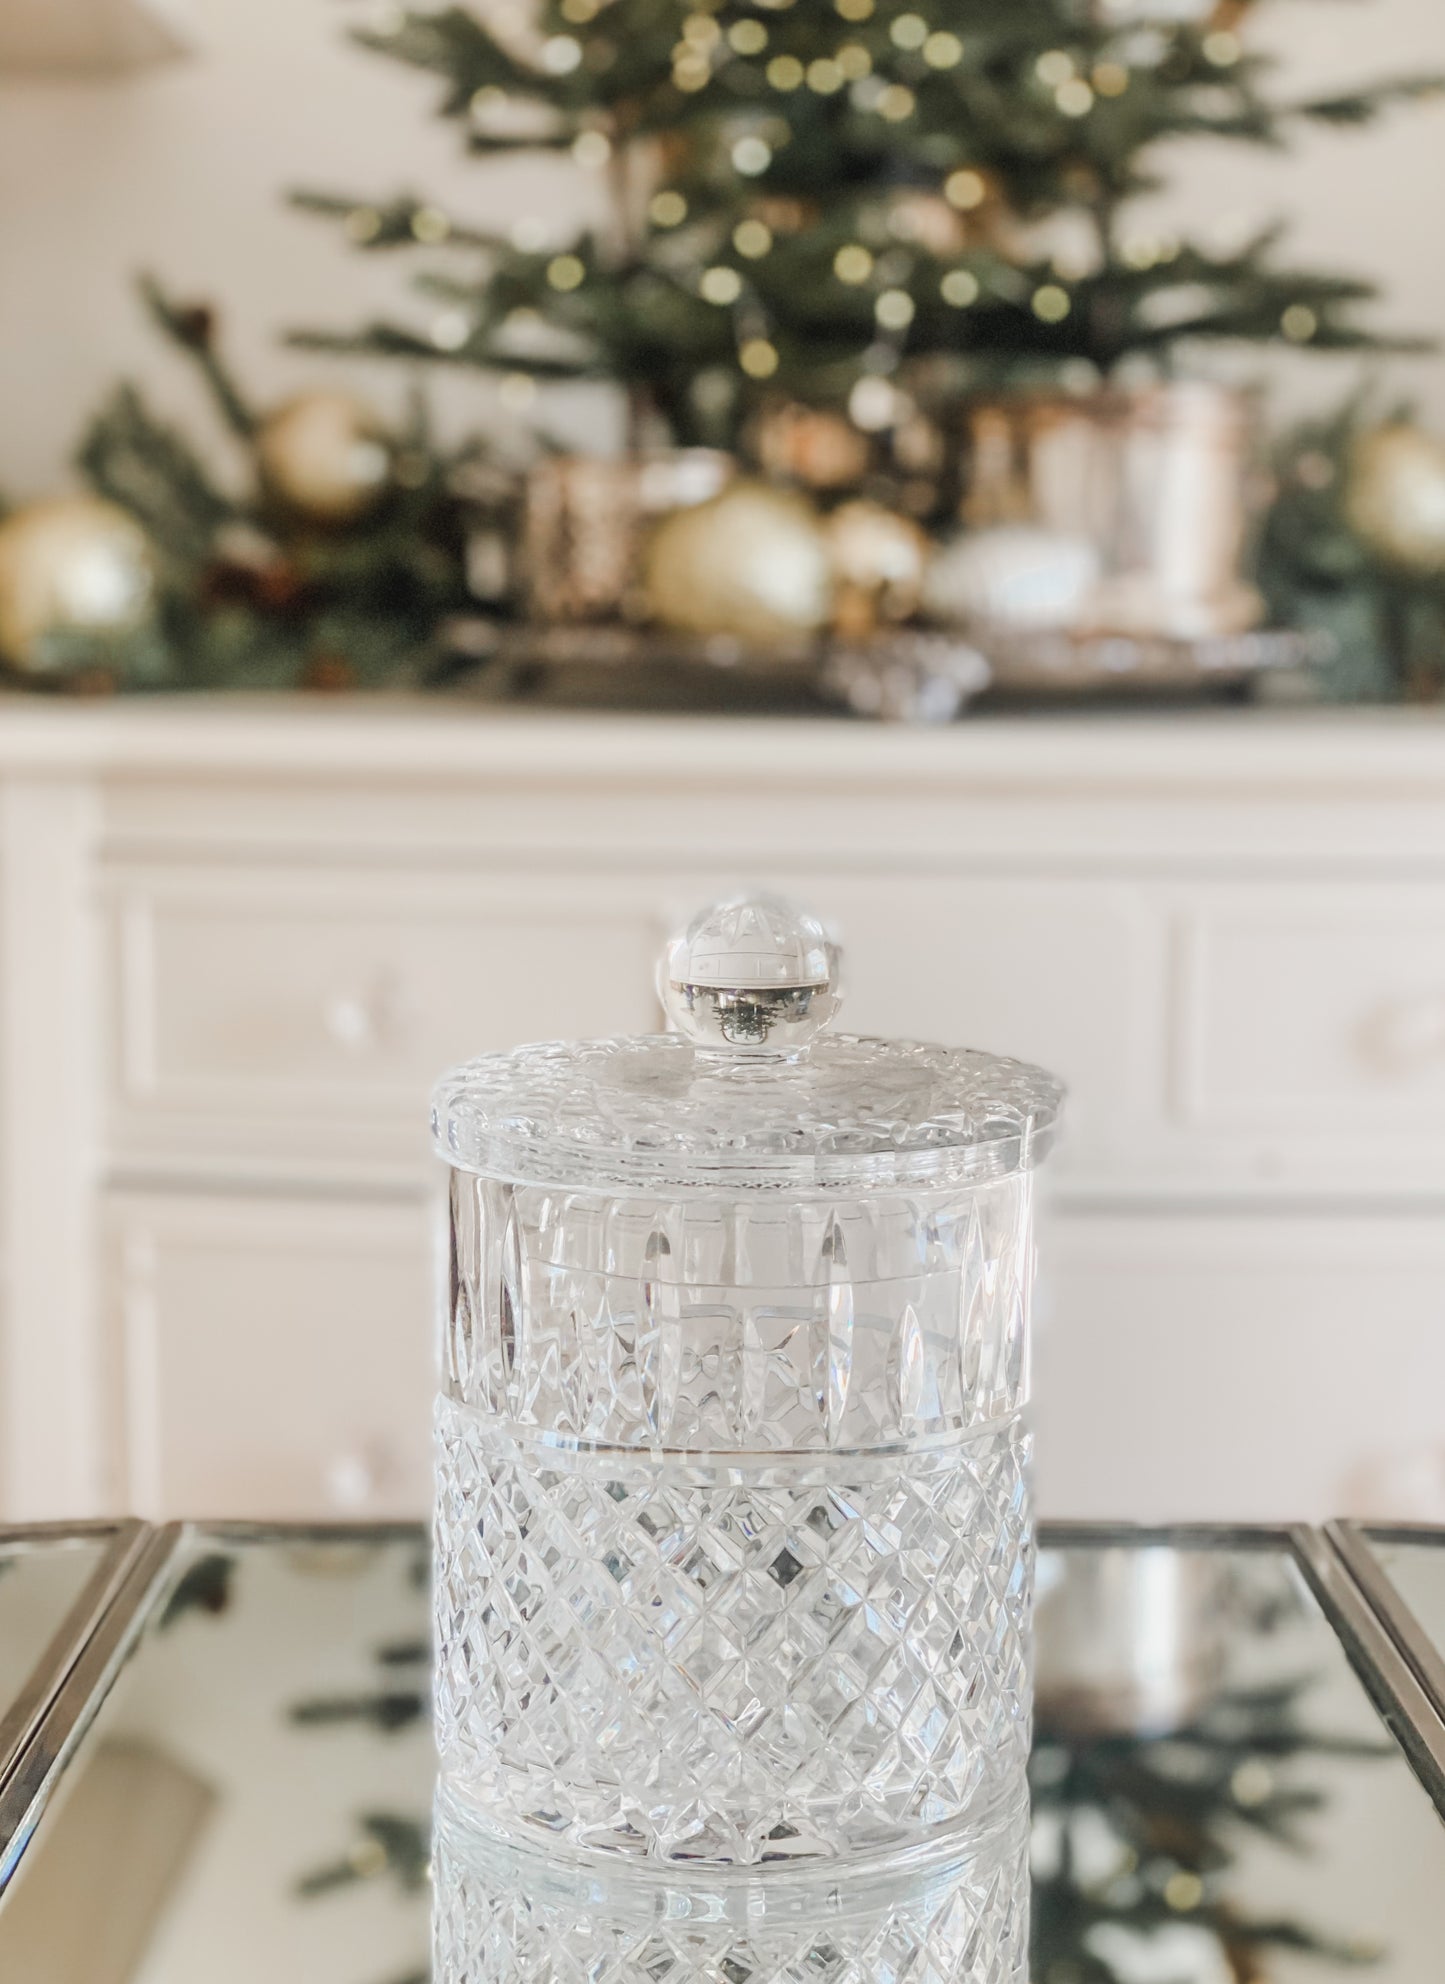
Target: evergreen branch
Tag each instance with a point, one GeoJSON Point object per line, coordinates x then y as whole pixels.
{"type": "Point", "coordinates": [456, 45]}
{"type": "Point", "coordinates": [390, 1845]}
{"type": "Point", "coordinates": [152, 471]}
{"type": "Point", "coordinates": [1360, 107]}
{"type": "Point", "coordinates": [404, 1653]}
{"type": "Point", "coordinates": [191, 328]}
{"type": "Point", "coordinates": [385, 1711]}
{"type": "Point", "coordinates": [390, 223]}
{"type": "Point", "coordinates": [499, 145]}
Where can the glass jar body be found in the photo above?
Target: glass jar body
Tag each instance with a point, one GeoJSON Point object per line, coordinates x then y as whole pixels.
{"type": "Point", "coordinates": [734, 1542]}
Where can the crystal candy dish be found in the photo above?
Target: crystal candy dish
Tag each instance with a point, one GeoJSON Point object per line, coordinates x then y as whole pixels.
{"type": "Point", "coordinates": [733, 1534]}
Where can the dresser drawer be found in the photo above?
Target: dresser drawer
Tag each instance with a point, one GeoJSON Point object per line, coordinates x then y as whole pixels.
{"type": "Point", "coordinates": [1230, 1367]}
{"type": "Point", "coordinates": [1312, 1020]}
{"type": "Point", "coordinates": [273, 1358]}
{"type": "Point", "coordinates": [290, 1017]}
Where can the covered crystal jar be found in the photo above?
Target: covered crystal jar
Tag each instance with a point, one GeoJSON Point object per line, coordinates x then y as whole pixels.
{"type": "Point", "coordinates": [733, 1531]}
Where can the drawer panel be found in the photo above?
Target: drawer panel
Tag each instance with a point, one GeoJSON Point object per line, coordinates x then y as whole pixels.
{"type": "Point", "coordinates": [1315, 1009]}
{"type": "Point", "coordinates": [284, 1020]}
{"type": "Point", "coordinates": [1240, 1368]}
{"type": "Point", "coordinates": [292, 1015]}
{"type": "Point", "coordinates": [275, 1358]}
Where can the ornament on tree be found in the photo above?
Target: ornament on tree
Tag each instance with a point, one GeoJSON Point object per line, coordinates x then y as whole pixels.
{"type": "Point", "coordinates": [323, 455]}
{"type": "Point", "coordinates": [1395, 496]}
{"type": "Point", "coordinates": [75, 565]}
{"type": "Point", "coordinates": [810, 445]}
{"type": "Point", "coordinates": [1019, 575]}
{"type": "Point", "coordinates": [753, 564]}
{"type": "Point", "coordinates": [879, 560]}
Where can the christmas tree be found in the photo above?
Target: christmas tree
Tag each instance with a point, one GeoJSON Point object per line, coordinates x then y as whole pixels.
{"type": "Point", "coordinates": [838, 202]}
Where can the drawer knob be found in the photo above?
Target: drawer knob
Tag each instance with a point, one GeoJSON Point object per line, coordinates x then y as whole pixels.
{"type": "Point", "coordinates": [1406, 1034]}
{"type": "Point", "coordinates": [350, 1022]}
{"type": "Point", "coordinates": [352, 1480]}
{"type": "Point", "coordinates": [359, 1020]}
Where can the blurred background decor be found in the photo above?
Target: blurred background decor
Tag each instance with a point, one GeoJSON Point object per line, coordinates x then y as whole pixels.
{"type": "Point", "coordinates": [1353, 544]}
{"type": "Point", "coordinates": [332, 560]}
{"type": "Point", "coordinates": [874, 257]}
{"type": "Point", "coordinates": [893, 282]}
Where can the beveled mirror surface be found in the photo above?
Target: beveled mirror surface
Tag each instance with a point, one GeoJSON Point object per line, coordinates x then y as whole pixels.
{"type": "Point", "coordinates": [1414, 1561]}
{"type": "Point", "coordinates": [42, 1576]}
{"type": "Point", "coordinates": [1215, 1798]}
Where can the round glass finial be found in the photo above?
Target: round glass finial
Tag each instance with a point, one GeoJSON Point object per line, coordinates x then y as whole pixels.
{"type": "Point", "coordinates": [752, 974]}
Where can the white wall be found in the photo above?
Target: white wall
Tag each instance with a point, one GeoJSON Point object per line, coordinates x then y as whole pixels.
{"type": "Point", "coordinates": [181, 170]}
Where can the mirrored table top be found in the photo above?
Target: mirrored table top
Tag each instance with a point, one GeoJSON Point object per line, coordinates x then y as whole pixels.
{"type": "Point", "coordinates": [1216, 1798]}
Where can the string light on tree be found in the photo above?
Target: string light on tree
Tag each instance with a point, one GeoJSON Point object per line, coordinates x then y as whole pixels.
{"type": "Point", "coordinates": [747, 37]}
{"type": "Point", "coordinates": [430, 225]}
{"type": "Point", "coordinates": [561, 54]}
{"type": "Point", "coordinates": [853, 263]}
{"type": "Point", "coordinates": [894, 309]}
{"type": "Point", "coordinates": [720, 285]}
{"type": "Point", "coordinates": [943, 51]}
{"type": "Point", "coordinates": [965, 189]}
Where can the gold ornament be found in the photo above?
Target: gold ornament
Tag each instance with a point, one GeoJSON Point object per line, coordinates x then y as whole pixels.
{"type": "Point", "coordinates": [324, 456]}
{"type": "Point", "coordinates": [74, 564]}
{"type": "Point", "coordinates": [879, 560]}
{"type": "Point", "coordinates": [1395, 496]}
{"type": "Point", "coordinates": [822, 450]}
{"type": "Point", "coordinates": [753, 564]}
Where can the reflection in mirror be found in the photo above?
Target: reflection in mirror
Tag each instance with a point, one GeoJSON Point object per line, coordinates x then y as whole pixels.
{"type": "Point", "coordinates": [1202, 1755]}
{"type": "Point", "coordinates": [252, 1746]}
{"type": "Point", "coordinates": [1215, 1801]}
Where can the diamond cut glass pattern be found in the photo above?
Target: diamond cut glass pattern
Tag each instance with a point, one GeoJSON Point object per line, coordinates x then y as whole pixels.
{"type": "Point", "coordinates": [733, 1535]}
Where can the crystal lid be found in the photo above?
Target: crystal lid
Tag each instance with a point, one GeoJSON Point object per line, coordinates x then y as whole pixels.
{"type": "Point", "coordinates": [752, 1092]}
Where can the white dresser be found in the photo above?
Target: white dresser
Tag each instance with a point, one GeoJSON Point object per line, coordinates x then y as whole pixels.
{"type": "Point", "coordinates": [238, 939]}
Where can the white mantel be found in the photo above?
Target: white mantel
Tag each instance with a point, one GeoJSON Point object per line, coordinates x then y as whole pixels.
{"type": "Point", "coordinates": [240, 935]}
